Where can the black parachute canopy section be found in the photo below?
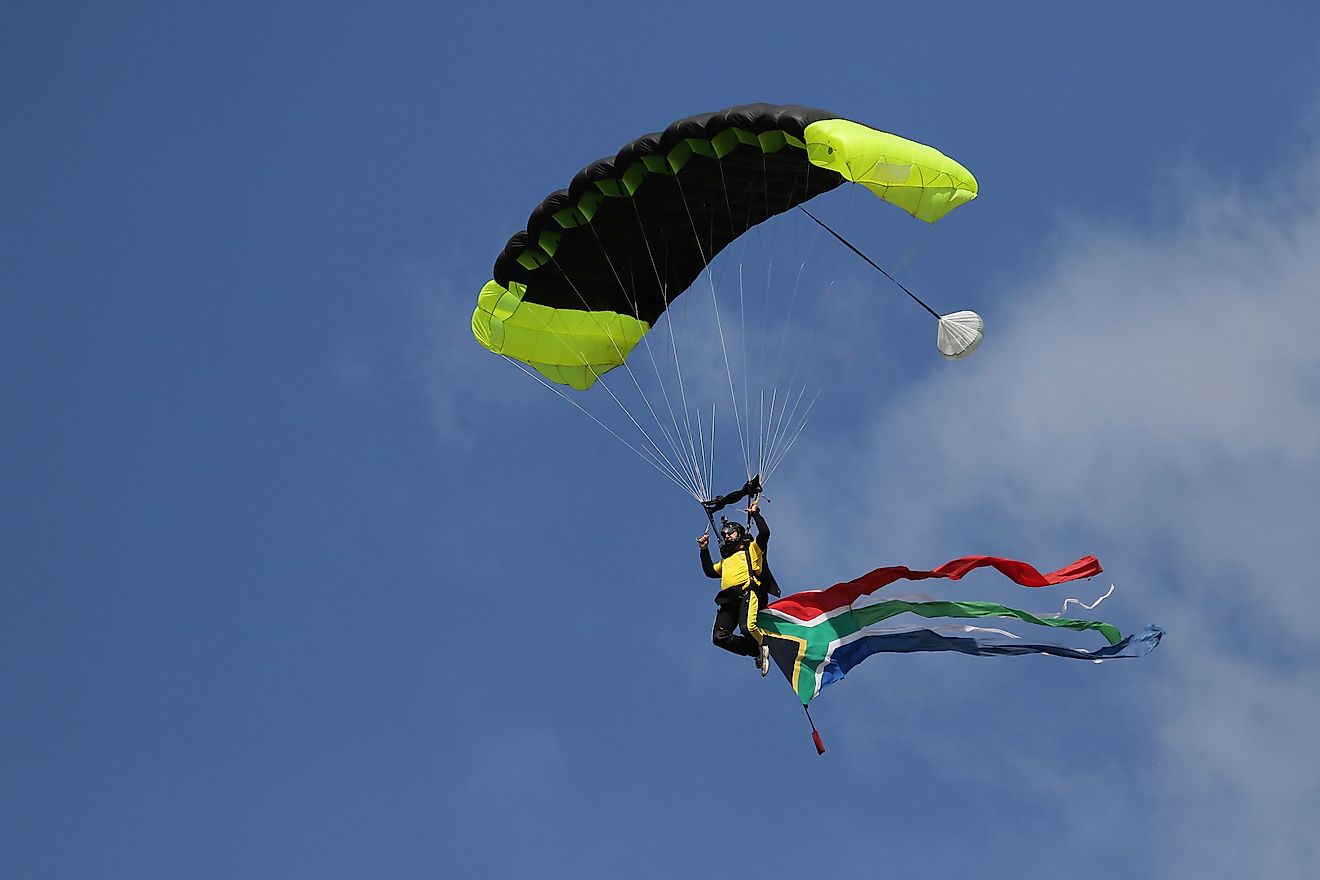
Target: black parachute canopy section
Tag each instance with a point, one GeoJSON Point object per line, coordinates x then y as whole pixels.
{"type": "Point", "coordinates": [600, 261]}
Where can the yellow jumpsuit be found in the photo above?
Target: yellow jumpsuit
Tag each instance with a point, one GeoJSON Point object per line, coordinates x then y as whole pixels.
{"type": "Point", "coordinates": [738, 599]}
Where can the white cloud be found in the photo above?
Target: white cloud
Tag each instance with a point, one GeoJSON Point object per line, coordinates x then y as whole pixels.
{"type": "Point", "coordinates": [1157, 392]}
{"type": "Point", "coordinates": [465, 388]}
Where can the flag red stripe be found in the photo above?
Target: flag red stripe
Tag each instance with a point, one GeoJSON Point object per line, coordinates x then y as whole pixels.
{"type": "Point", "coordinates": [812, 603]}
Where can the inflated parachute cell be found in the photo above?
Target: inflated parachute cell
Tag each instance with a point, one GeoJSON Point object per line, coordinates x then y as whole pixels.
{"type": "Point", "coordinates": [600, 261]}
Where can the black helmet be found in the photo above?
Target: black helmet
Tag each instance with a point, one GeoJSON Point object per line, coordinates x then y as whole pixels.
{"type": "Point", "coordinates": [731, 533]}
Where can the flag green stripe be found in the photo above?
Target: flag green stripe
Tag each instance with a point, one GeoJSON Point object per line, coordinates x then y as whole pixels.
{"type": "Point", "coordinates": [870, 614]}
{"type": "Point", "coordinates": [821, 634]}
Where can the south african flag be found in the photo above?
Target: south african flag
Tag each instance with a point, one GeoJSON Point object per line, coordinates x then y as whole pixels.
{"type": "Point", "coordinates": [818, 636]}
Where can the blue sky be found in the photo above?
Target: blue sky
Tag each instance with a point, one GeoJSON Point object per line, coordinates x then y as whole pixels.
{"type": "Point", "coordinates": [298, 581]}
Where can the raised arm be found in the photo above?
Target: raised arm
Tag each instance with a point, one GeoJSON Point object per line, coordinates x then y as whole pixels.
{"type": "Point", "coordinates": [707, 565]}
{"type": "Point", "coordinates": [762, 530]}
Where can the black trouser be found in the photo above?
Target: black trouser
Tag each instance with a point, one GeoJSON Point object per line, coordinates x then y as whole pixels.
{"type": "Point", "coordinates": [736, 611]}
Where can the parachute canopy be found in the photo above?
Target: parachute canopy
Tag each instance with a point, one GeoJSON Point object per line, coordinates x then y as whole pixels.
{"type": "Point", "coordinates": [600, 261]}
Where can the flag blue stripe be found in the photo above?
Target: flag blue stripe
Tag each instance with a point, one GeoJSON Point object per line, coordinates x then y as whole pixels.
{"type": "Point", "coordinates": [844, 657]}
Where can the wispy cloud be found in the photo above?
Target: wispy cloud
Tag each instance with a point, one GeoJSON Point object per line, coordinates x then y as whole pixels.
{"type": "Point", "coordinates": [1157, 392]}
{"type": "Point", "coordinates": [465, 389]}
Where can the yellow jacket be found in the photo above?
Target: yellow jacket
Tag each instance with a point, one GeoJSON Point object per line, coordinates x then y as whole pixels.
{"type": "Point", "coordinates": [733, 569]}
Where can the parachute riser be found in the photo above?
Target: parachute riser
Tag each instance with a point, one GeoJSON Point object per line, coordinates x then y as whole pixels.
{"type": "Point", "coordinates": [751, 490]}
{"type": "Point", "coordinates": [960, 333]}
{"type": "Point", "coordinates": [873, 263]}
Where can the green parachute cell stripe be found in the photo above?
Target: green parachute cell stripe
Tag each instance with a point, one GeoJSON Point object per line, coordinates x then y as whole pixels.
{"type": "Point", "coordinates": [599, 262]}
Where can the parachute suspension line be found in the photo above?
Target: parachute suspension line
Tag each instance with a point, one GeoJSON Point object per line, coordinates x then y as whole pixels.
{"type": "Point", "coordinates": [747, 417]}
{"type": "Point", "coordinates": [873, 264]}
{"type": "Point", "coordinates": [691, 457]}
{"type": "Point", "coordinates": [786, 418]}
{"type": "Point", "coordinates": [776, 421]}
{"type": "Point", "coordinates": [769, 268]}
{"type": "Point", "coordinates": [773, 379]}
{"type": "Point", "coordinates": [710, 462]}
{"type": "Point", "coordinates": [712, 446]}
{"type": "Point", "coordinates": [765, 316]}
{"type": "Point", "coordinates": [774, 466]}
{"type": "Point", "coordinates": [660, 464]}
{"type": "Point", "coordinates": [804, 347]}
{"type": "Point", "coordinates": [702, 437]}
{"type": "Point", "coordinates": [708, 454]}
{"type": "Point", "coordinates": [811, 334]}
{"type": "Point", "coordinates": [653, 453]}
{"type": "Point", "coordinates": [792, 304]}
{"type": "Point", "coordinates": [774, 400]}
{"type": "Point", "coordinates": [662, 284]}
{"type": "Point", "coordinates": [766, 378]}
{"type": "Point", "coordinates": [623, 362]}
{"type": "Point", "coordinates": [760, 440]}
{"type": "Point", "coordinates": [764, 426]}
{"type": "Point", "coordinates": [673, 343]}
{"type": "Point", "coordinates": [714, 298]}
{"type": "Point", "coordinates": [742, 328]}
{"type": "Point", "coordinates": [599, 379]}
{"type": "Point", "coordinates": [779, 449]}
{"type": "Point", "coordinates": [645, 455]}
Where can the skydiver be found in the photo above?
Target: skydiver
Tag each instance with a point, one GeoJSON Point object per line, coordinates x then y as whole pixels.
{"type": "Point", "coordinates": [744, 579]}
